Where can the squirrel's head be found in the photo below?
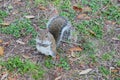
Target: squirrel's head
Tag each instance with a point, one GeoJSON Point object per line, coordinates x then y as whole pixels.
{"type": "Point", "coordinates": [43, 35]}
{"type": "Point", "coordinates": [44, 38]}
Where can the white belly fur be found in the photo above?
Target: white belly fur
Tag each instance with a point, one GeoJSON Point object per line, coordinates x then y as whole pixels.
{"type": "Point", "coordinates": [44, 50]}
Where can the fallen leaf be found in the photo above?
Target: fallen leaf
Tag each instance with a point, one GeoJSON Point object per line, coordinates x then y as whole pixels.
{"type": "Point", "coordinates": [114, 70]}
{"type": "Point", "coordinates": [87, 18]}
{"type": "Point", "coordinates": [108, 22]}
{"type": "Point", "coordinates": [15, 12]}
{"type": "Point", "coordinates": [1, 50]}
{"type": "Point", "coordinates": [82, 65]}
{"type": "Point", "coordinates": [11, 78]}
{"type": "Point", "coordinates": [91, 65]}
{"type": "Point", "coordinates": [81, 16]}
{"type": "Point", "coordinates": [29, 16]}
{"type": "Point", "coordinates": [5, 24]}
{"type": "Point", "coordinates": [115, 38]}
{"type": "Point", "coordinates": [42, 8]}
{"type": "Point", "coordinates": [72, 54]}
{"type": "Point", "coordinates": [76, 8]}
{"type": "Point", "coordinates": [20, 42]}
{"type": "Point", "coordinates": [1, 41]}
{"type": "Point", "coordinates": [58, 78]}
{"type": "Point", "coordinates": [92, 32]}
{"type": "Point", "coordinates": [75, 49]}
{"type": "Point", "coordinates": [59, 69]}
{"type": "Point", "coordinates": [86, 9]}
{"type": "Point", "coordinates": [26, 57]}
{"type": "Point", "coordinates": [17, 2]}
{"type": "Point", "coordinates": [6, 43]}
{"type": "Point", "coordinates": [85, 71]}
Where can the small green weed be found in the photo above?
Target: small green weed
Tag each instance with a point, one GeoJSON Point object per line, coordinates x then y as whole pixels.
{"type": "Point", "coordinates": [112, 13]}
{"type": "Point", "coordinates": [49, 63]}
{"type": "Point", "coordinates": [32, 42]}
{"type": "Point", "coordinates": [82, 27]}
{"type": "Point", "coordinates": [98, 31]}
{"type": "Point", "coordinates": [43, 2]}
{"type": "Point", "coordinates": [20, 28]}
{"type": "Point", "coordinates": [42, 23]}
{"type": "Point", "coordinates": [56, 2]}
{"type": "Point", "coordinates": [3, 14]}
{"type": "Point", "coordinates": [66, 9]}
{"type": "Point", "coordinates": [118, 78]}
{"type": "Point", "coordinates": [66, 4]}
{"type": "Point", "coordinates": [38, 2]}
{"type": "Point", "coordinates": [64, 64]}
{"type": "Point", "coordinates": [119, 36]}
{"type": "Point", "coordinates": [104, 70]}
{"type": "Point", "coordinates": [18, 65]}
{"type": "Point", "coordinates": [94, 25]}
{"type": "Point", "coordinates": [93, 57]}
{"type": "Point", "coordinates": [95, 4]}
{"type": "Point", "coordinates": [89, 47]}
{"type": "Point", "coordinates": [106, 56]}
{"type": "Point", "coordinates": [118, 63]}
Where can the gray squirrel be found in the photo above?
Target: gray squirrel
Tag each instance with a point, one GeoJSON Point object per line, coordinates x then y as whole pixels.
{"type": "Point", "coordinates": [58, 29]}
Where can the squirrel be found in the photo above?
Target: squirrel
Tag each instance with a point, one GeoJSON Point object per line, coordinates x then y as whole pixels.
{"type": "Point", "coordinates": [58, 29]}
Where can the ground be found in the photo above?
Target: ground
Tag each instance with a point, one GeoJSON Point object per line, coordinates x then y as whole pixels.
{"type": "Point", "coordinates": [95, 55]}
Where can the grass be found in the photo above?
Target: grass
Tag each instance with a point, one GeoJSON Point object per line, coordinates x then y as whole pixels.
{"type": "Point", "coordinates": [118, 37]}
{"type": "Point", "coordinates": [112, 13]}
{"type": "Point", "coordinates": [118, 63]}
{"type": "Point", "coordinates": [96, 5]}
{"type": "Point", "coordinates": [106, 56]}
{"type": "Point", "coordinates": [117, 78]}
{"type": "Point", "coordinates": [89, 30]}
{"type": "Point", "coordinates": [19, 28]}
{"type": "Point", "coordinates": [92, 28]}
{"type": "Point", "coordinates": [38, 2]}
{"type": "Point", "coordinates": [49, 63]}
{"type": "Point", "coordinates": [63, 63]}
{"type": "Point", "coordinates": [17, 65]}
{"type": "Point", "coordinates": [3, 14]}
{"type": "Point", "coordinates": [104, 71]}
{"type": "Point", "coordinates": [93, 58]}
{"type": "Point", "coordinates": [65, 8]}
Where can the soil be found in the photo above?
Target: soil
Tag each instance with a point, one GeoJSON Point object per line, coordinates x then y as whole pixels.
{"type": "Point", "coordinates": [17, 8]}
